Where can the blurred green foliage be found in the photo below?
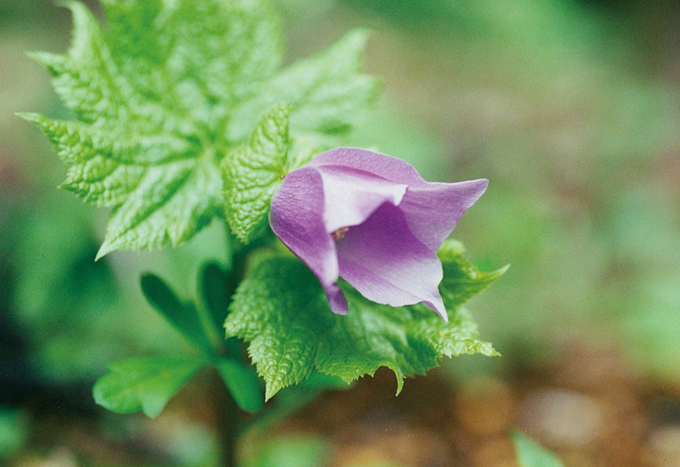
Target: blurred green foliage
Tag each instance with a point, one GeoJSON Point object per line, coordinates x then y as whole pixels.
{"type": "Point", "coordinates": [532, 454]}
{"type": "Point", "coordinates": [298, 451]}
{"type": "Point", "coordinates": [14, 432]}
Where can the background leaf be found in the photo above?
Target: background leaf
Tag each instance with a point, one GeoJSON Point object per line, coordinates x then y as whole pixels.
{"type": "Point", "coordinates": [183, 316]}
{"type": "Point", "coordinates": [216, 289]}
{"type": "Point", "coordinates": [144, 384]}
{"type": "Point", "coordinates": [293, 452]}
{"type": "Point", "coordinates": [243, 384]}
{"type": "Point", "coordinates": [532, 454]}
{"type": "Point", "coordinates": [14, 431]}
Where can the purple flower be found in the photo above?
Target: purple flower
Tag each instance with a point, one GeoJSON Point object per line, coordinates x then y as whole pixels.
{"type": "Point", "coordinates": [372, 220]}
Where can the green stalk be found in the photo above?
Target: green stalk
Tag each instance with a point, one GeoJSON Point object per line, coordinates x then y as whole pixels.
{"type": "Point", "coordinates": [228, 416]}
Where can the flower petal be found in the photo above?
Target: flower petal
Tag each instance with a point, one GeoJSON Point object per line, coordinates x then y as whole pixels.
{"type": "Point", "coordinates": [388, 167]}
{"type": "Point", "coordinates": [388, 264]}
{"type": "Point", "coordinates": [297, 218]}
{"type": "Point", "coordinates": [352, 195]}
{"type": "Point", "coordinates": [433, 210]}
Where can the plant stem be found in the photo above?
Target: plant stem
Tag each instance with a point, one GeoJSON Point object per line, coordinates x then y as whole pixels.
{"type": "Point", "coordinates": [227, 411]}
{"type": "Point", "coordinates": [228, 418]}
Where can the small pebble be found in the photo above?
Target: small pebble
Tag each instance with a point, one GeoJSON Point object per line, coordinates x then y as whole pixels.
{"type": "Point", "coordinates": [400, 445]}
{"type": "Point", "coordinates": [560, 417]}
{"type": "Point", "coordinates": [664, 446]}
{"type": "Point", "coordinates": [494, 452]}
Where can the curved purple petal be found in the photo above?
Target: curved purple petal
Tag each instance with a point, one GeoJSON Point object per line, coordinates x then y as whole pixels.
{"type": "Point", "coordinates": [388, 264]}
{"type": "Point", "coordinates": [352, 195]}
{"type": "Point", "coordinates": [388, 167]}
{"type": "Point", "coordinates": [297, 218]}
{"type": "Point", "coordinates": [433, 210]}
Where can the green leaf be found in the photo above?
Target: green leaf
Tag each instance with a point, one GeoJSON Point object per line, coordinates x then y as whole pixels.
{"type": "Point", "coordinates": [297, 451]}
{"type": "Point", "coordinates": [462, 280]}
{"type": "Point", "coordinates": [14, 432]}
{"type": "Point", "coordinates": [327, 93]}
{"type": "Point", "coordinates": [144, 384]}
{"type": "Point", "coordinates": [152, 94]}
{"type": "Point", "coordinates": [532, 454]}
{"type": "Point", "coordinates": [216, 288]}
{"type": "Point", "coordinates": [183, 316]}
{"type": "Point", "coordinates": [282, 312]}
{"type": "Point", "coordinates": [166, 91]}
{"type": "Point", "coordinates": [243, 384]}
{"type": "Point", "coordinates": [254, 172]}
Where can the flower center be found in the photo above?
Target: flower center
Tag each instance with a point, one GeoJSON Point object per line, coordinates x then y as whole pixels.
{"type": "Point", "coordinates": [340, 233]}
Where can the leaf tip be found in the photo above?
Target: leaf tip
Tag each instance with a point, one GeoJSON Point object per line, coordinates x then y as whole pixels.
{"type": "Point", "coordinates": [270, 391]}
{"type": "Point", "coordinates": [45, 58]}
{"type": "Point", "coordinates": [488, 350]}
{"type": "Point", "coordinates": [152, 411]}
{"type": "Point", "coordinates": [98, 393]}
{"type": "Point", "coordinates": [70, 4]}
{"type": "Point", "coordinates": [400, 377]}
{"type": "Point", "coordinates": [30, 116]}
{"type": "Point", "coordinates": [503, 270]}
{"type": "Point", "coordinates": [358, 37]}
{"type": "Point", "coordinates": [104, 250]}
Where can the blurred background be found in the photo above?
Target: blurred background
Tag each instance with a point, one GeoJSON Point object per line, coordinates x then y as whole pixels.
{"type": "Point", "coordinates": [571, 108]}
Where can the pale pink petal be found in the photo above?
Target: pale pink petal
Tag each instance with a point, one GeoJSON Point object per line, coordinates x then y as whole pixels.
{"type": "Point", "coordinates": [352, 195]}
{"type": "Point", "coordinates": [388, 264]}
{"type": "Point", "coordinates": [297, 218]}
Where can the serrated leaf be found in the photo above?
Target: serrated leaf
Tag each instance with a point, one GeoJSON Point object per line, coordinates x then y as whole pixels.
{"type": "Point", "coordinates": [462, 280]}
{"type": "Point", "coordinates": [166, 90]}
{"type": "Point", "coordinates": [532, 454]}
{"type": "Point", "coordinates": [153, 93]}
{"type": "Point", "coordinates": [254, 172]}
{"type": "Point", "coordinates": [144, 384]}
{"type": "Point", "coordinates": [183, 316]}
{"type": "Point", "coordinates": [281, 310]}
{"type": "Point", "coordinates": [327, 92]}
{"type": "Point", "coordinates": [243, 384]}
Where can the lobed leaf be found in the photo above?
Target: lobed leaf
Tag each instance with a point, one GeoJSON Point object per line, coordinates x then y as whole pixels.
{"type": "Point", "coordinates": [282, 312]}
{"type": "Point", "coordinates": [166, 91]}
